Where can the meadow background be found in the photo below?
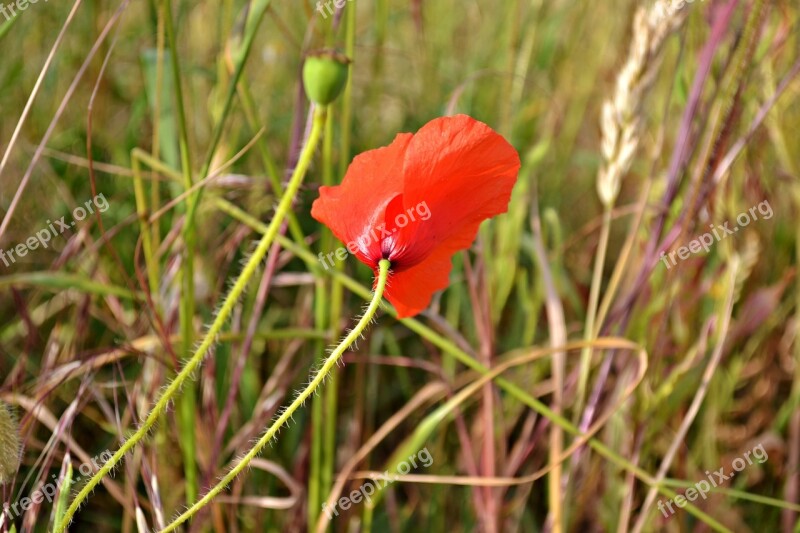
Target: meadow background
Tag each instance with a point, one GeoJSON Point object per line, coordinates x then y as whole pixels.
{"type": "Point", "coordinates": [688, 367]}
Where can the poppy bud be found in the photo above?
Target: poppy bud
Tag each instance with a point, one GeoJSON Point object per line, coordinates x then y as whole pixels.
{"type": "Point", "coordinates": [9, 445]}
{"type": "Point", "coordinates": [325, 75]}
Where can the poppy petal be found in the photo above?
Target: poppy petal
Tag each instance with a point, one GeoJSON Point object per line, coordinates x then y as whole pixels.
{"type": "Point", "coordinates": [463, 171]}
{"type": "Point", "coordinates": [410, 289]}
{"type": "Point", "coordinates": [355, 208]}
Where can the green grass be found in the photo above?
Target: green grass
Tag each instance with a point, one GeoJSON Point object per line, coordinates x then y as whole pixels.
{"type": "Point", "coordinates": [95, 326]}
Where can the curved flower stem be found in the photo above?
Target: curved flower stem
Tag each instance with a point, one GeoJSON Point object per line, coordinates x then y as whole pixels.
{"type": "Point", "coordinates": [224, 312]}
{"type": "Point", "coordinates": [317, 380]}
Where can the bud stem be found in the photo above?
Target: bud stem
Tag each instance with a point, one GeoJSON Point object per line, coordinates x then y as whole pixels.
{"type": "Point", "coordinates": [318, 126]}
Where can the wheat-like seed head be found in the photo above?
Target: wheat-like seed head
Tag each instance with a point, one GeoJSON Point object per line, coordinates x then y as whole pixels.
{"type": "Point", "coordinates": [622, 113]}
{"type": "Point", "coordinates": [9, 445]}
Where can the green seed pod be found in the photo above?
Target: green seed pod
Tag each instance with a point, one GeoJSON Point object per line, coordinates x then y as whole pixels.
{"type": "Point", "coordinates": [325, 75]}
{"type": "Point", "coordinates": [9, 445]}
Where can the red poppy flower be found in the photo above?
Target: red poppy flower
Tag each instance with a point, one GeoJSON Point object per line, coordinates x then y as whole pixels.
{"type": "Point", "coordinates": [420, 200]}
